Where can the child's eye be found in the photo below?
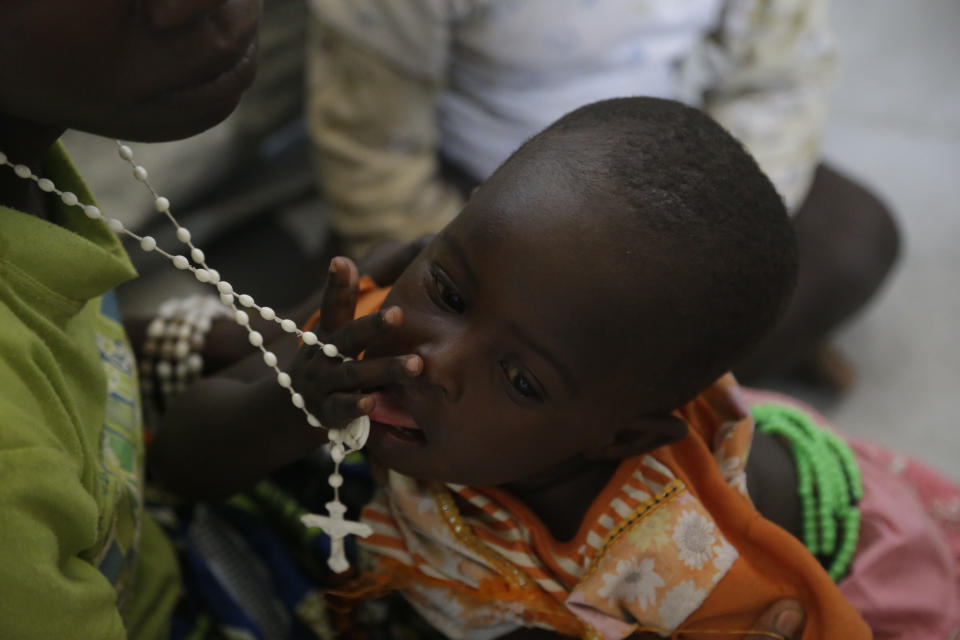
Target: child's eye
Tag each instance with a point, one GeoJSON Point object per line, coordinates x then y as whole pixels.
{"type": "Point", "coordinates": [520, 381]}
{"type": "Point", "coordinates": [448, 295]}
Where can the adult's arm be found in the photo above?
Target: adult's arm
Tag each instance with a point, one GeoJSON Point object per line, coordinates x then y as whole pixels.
{"type": "Point", "coordinates": [772, 64]}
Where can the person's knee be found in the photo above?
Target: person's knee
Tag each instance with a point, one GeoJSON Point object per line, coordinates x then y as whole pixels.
{"type": "Point", "coordinates": [849, 239]}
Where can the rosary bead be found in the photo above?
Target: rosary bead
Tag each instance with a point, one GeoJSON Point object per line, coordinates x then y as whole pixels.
{"type": "Point", "coordinates": [176, 337]}
{"type": "Point", "coordinates": [156, 328]}
{"type": "Point", "coordinates": [330, 350]}
{"type": "Point", "coordinates": [164, 370]}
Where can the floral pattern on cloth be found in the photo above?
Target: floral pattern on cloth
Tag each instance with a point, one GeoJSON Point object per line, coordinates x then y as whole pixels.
{"type": "Point", "coordinates": [658, 569]}
{"type": "Point", "coordinates": [477, 564]}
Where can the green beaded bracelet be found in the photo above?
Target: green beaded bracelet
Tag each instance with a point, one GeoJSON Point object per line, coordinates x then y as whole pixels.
{"type": "Point", "coordinates": [828, 483]}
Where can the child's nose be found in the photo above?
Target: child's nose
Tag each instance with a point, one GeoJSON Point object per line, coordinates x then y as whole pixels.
{"type": "Point", "coordinates": [443, 366]}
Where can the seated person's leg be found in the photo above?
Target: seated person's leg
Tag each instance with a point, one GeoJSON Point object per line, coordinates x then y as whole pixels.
{"type": "Point", "coordinates": [848, 244]}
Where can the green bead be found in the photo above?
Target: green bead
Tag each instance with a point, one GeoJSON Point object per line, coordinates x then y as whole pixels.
{"type": "Point", "coordinates": [828, 480]}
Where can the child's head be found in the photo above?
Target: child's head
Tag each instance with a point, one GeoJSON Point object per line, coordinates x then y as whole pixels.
{"type": "Point", "coordinates": [611, 269]}
{"type": "Point", "coordinates": [146, 70]}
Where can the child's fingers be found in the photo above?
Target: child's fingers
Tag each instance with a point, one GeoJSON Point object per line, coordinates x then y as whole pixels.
{"type": "Point", "coordinates": [340, 294]}
{"type": "Point", "coordinates": [338, 409]}
{"type": "Point", "coordinates": [354, 337]}
{"type": "Point", "coordinates": [367, 374]}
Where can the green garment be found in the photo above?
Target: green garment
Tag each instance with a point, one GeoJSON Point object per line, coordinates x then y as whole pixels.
{"type": "Point", "coordinates": [79, 558]}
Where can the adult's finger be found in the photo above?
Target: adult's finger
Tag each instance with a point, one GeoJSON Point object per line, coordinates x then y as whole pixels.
{"type": "Point", "coordinates": [784, 618]}
{"type": "Point", "coordinates": [340, 295]}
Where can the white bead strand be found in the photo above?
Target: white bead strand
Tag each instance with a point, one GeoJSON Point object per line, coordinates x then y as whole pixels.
{"type": "Point", "coordinates": [172, 378]}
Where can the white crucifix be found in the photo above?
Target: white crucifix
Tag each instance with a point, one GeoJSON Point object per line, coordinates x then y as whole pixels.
{"type": "Point", "coordinates": [338, 528]}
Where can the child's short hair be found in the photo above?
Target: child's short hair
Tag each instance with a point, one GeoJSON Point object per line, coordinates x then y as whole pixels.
{"type": "Point", "coordinates": [699, 209]}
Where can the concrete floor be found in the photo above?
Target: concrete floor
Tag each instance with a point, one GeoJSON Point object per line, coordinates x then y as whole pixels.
{"type": "Point", "coordinates": [895, 125]}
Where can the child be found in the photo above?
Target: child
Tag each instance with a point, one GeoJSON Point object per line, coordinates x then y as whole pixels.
{"type": "Point", "coordinates": [566, 452]}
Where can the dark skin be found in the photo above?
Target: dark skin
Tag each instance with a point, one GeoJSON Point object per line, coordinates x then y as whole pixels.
{"type": "Point", "coordinates": [165, 69]}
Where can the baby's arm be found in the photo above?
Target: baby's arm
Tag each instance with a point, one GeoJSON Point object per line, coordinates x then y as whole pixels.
{"type": "Point", "coordinates": [772, 483]}
{"type": "Point", "coordinates": [226, 432]}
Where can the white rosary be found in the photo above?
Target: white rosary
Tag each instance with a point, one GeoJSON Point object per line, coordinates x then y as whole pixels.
{"type": "Point", "coordinates": [342, 441]}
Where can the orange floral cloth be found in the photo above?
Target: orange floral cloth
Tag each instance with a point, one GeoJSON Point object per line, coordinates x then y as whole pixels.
{"type": "Point", "coordinates": [672, 545]}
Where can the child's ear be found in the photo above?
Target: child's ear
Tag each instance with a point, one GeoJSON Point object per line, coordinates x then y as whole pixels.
{"type": "Point", "coordinates": [642, 435]}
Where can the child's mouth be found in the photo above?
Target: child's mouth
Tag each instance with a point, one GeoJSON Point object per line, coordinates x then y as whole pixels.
{"type": "Point", "coordinates": [394, 417]}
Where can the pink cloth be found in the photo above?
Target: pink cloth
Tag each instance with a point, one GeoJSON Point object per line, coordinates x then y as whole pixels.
{"type": "Point", "coordinates": [905, 578]}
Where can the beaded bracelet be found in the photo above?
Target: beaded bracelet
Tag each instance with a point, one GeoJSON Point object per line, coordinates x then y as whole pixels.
{"type": "Point", "coordinates": [828, 483]}
{"type": "Point", "coordinates": [172, 350]}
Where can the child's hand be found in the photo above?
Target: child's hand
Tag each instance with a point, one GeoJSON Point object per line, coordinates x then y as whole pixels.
{"type": "Point", "coordinates": [337, 392]}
